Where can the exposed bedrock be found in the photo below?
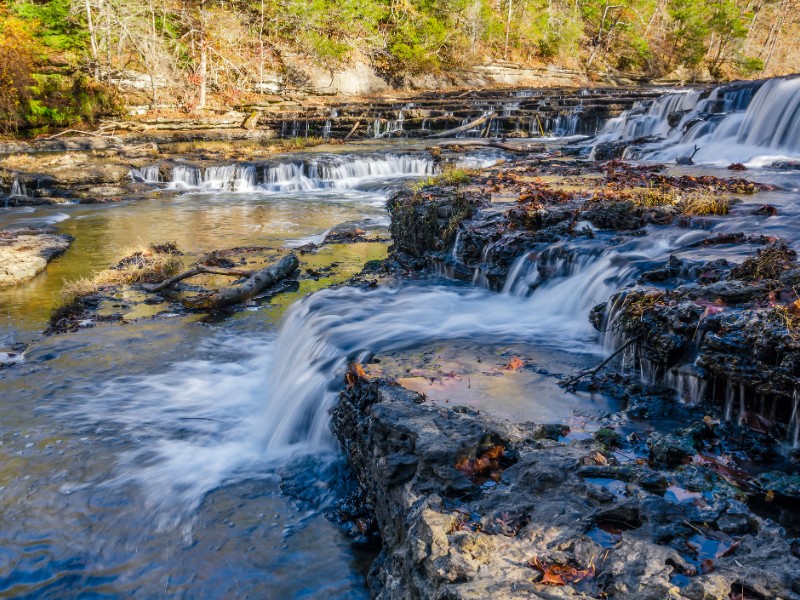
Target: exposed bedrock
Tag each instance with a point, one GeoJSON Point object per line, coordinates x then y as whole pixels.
{"type": "Point", "coordinates": [469, 507]}
{"type": "Point", "coordinates": [736, 326]}
{"type": "Point", "coordinates": [24, 253]}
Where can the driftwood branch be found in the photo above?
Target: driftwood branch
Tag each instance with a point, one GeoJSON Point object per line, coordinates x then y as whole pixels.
{"type": "Point", "coordinates": [496, 144]}
{"type": "Point", "coordinates": [596, 369]}
{"type": "Point", "coordinates": [463, 128]}
{"type": "Point", "coordinates": [256, 283]}
{"type": "Point", "coordinates": [78, 131]}
{"type": "Point", "coordinates": [198, 270]}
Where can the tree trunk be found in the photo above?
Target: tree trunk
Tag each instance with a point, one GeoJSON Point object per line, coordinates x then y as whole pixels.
{"type": "Point", "coordinates": [201, 101]}
{"type": "Point", "coordinates": [93, 41]}
{"type": "Point", "coordinates": [508, 27]}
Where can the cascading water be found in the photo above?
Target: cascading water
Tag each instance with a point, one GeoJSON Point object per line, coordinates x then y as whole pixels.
{"type": "Point", "coordinates": [308, 175]}
{"type": "Point", "coordinates": [793, 435]}
{"type": "Point", "coordinates": [324, 331]}
{"type": "Point", "coordinates": [18, 189]}
{"type": "Point", "coordinates": [148, 174]}
{"type": "Point", "coordinates": [754, 123]}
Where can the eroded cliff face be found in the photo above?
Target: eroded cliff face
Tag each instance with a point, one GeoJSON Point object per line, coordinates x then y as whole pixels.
{"type": "Point", "coordinates": [469, 507]}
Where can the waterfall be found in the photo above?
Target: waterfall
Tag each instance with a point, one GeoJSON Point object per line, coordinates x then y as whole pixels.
{"type": "Point", "coordinates": [772, 119]}
{"type": "Point", "coordinates": [689, 384]}
{"type": "Point", "coordinates": [232, 178]}
{"type": "Point", "coordinates": [454, 251]}
{"type": "Point", "coordinates": [308, 175]}
{"type": "Point", "coordinates": [566, 126]}
{"type": "Point", "coordinates": [650, 119]}
{"type": "Point", "coordinates": [18, 189]}
{"type": "Point", "coordinates": [754, 123]}
{"type": "Point", "coordinates": [149, 174]}
{"type": "Point", "coordinates": [324, 331]}
{"type": "Point", "coordinates": [325, 172]}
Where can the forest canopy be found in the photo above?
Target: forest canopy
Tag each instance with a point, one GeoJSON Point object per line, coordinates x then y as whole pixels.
{"type": "Point", "coordinates": [184, 51]}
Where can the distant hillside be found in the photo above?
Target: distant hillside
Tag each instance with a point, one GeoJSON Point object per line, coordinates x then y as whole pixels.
{"type": "Point", "coordinates": [65, 61]}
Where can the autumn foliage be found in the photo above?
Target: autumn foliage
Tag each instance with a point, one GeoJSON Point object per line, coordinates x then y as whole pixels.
{"type": "Point", "coordinates": [16, 64]}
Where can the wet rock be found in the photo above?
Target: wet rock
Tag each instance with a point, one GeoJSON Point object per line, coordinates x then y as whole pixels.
{"type": "Point", "coordinates": [24, 253]}
{"type": "Point", "coordinates": [780, 483]}
{"type": "Point", "coordinates": [426, 222]}
{"type": "Point", "coordinates": [670, 450]}
{"type": "Point", "coordinates": [445, 536]}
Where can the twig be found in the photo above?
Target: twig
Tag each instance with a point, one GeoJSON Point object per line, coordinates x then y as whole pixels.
{"type": "Point", "coordinates": [595, 370]}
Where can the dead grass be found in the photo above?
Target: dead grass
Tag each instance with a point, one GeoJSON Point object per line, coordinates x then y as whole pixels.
{"type": "Point", "coordinates": [148, 264]}
{"type": "Point", "coordinates": [298, 143]}
{"type": "Point", "coordinates": [690, 202]}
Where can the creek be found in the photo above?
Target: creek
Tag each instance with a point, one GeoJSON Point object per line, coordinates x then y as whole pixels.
{"type": "Point", "coordinates": [191, 457]}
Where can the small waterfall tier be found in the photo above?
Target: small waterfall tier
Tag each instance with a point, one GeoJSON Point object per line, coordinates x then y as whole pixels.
{"type": "Point", "coordinates": [346, 172]}
{"type": "Point", "coordinates": [757, 123]}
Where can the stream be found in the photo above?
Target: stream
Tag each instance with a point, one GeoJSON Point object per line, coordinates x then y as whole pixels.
{"type": "Point", "coordinates": [192, 457]}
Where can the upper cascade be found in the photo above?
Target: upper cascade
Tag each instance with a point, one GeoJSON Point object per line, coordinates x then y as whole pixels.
{"type": "Point", "coordinates": [756, 123]}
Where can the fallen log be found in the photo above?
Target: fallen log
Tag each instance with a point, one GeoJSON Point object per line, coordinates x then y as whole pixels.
{"type": "Point", "coordinates": [539, 148]}
{"type": "Point", "coordinates": [256, 283]}
{"type": "Point", "coordinates": [463, 128]}
{"type": "Point", "coordinates": [352, 130]}
{"type": "Point", "coordinates": [198, 270]}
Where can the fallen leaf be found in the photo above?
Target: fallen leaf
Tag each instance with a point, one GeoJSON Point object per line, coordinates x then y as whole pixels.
{"type": "Point", "coordinates": [516, 363]}
{"type": "Point", "coordinates": [556, 574]}
{"type": "Point", "coordinates": [483, 467]}
{"type": "Point", "coordinates": [354, 373]}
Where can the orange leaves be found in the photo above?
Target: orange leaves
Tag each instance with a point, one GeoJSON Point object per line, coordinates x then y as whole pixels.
{"type": "Point", "coordinates": [516, 363]}
{"type": "Point", "coordinates": [556, 574]}
{"type": "Point", "coordinates": [355, 373]}
{"type": "Point", "coordinates": [484, 467]}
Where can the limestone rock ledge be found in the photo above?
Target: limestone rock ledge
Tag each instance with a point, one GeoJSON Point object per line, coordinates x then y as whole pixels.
{"type": "Point", "coordinates": [24, 253]}
{"type": "Point", "coordinates": [446, 536]}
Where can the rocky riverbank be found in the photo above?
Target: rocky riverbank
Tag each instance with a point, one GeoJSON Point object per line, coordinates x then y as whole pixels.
{"type": "Point", "coordinates": [24, 253]}
{"type": "Point", "coordinates": [470, 507]}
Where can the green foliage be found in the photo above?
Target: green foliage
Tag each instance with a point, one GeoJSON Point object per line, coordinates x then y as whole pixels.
{"type": "Point", "coordinates": [748, 65]}
{"type": "Point", "coordinates": [57, 28]}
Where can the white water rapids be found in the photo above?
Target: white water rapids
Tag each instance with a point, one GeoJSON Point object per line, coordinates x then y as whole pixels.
{"type": "Point", "coordinates": [242, 416]}
{"type": "Point", "coordinates": [752, 123]}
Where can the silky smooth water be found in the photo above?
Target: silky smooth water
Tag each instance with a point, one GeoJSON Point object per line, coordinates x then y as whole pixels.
{"type": "Point", "coordinates": [163, 457]}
